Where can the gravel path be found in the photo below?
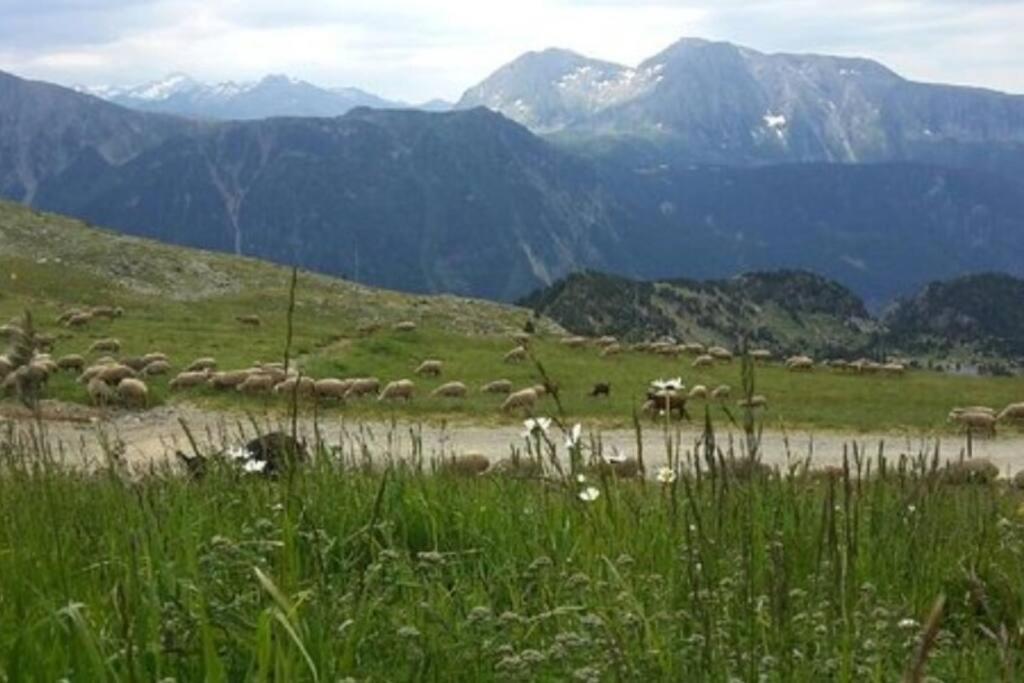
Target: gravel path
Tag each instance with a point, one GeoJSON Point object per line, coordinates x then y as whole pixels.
{"type": "Point", "coordinates": [153, 436]}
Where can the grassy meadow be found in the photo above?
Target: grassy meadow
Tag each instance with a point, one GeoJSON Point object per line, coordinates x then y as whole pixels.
{"type": "Point", "coordinates": [345, 571]}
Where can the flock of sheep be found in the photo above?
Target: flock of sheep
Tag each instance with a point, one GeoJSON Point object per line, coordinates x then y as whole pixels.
{"type": "Point", "coordinates": [110, 380]}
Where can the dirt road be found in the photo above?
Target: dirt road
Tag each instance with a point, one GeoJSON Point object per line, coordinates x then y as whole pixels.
{"type": "Point", "coordinates": [153, 436]}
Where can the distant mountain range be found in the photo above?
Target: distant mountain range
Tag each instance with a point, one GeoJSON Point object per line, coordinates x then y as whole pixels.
{"type": "Point", "coordinates": [712, 102]}
{"type": "Point", "coordinates": [471, 202]}
{"type": "Point", "coordinates": [274, 95]}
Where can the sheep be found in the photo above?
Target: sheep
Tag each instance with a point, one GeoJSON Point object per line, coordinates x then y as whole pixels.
{"type": "Point", "coordinates": [721, 392]}
{"type": "Point", "coordinates": [405, 326]}
{"type": "Point", "coordinates": [516, 355]}
{"type": "Point", "coordinates": [620, 468]}
{"type": "Point", "coordinates": [113, 374]}
{"type": "Point", "coordinates": [228, 379]}
{"type": "Point", "coordinates": [695, 348]}
{"type": "Point", "coordinates": [498, 386]}
{"type": "Point", "coordinates": [252, 320]}
{"type": "Point", "coordinates": [469, 464]}
{"type": "Point", "coordinates": [720, 353]}
{"type": "Point", "coordinates": [665, 401]}
{"type": "Point", "coordinates": [983, 422]}
{"type": "Point", "coordinates": [108, 345]}
{"type": "Point", "coordinates": [157, 367]}
{"type": "Point", "coordinates": [363, 386]}
{"type": "Point", "coordinates": [64, 317]}
{"type": "Point", "coordinates": [450, 390]}
{"type": "Point", "coordinates": [800, 363]}
{"type": "Point", "coordinates": [155, 356]}
{"type": "Point", "coordinates": [667, 350]}
{"type": "Point", "coordinates": [522, 338]}
{"type": "Point", "coordinates": [1014, 411]}
{"type": "Point", "coordinates": [331, 388]}
{"type": "Point", "coordinates": [136, 363]}
{"type": "Point", "coordinates": [601, 389]}
{"type": "Point", "coordinates": [545, 389]}
{"type": "Point", "coordinates": [429, 367]}
{"type": "Point", "coordinates": [188, 379]}
{"type": "Point", "coordinates": [611, 350]}
{"type": "Point", "coordinates": [698, 391]}
{"type": "Point", "coordinates": [524, 398]}
{"type": "Point", "coordinates": [305, 386]}
{"type": "Point", "coordinates": [257, 384]}
{"type": "Point", "coordinates": [100, 393]}
{"type": "Point", "coordinates": [755, 401]}
{"type": "Point", "coordinates": [972, 409]}
{"type": "Point", "coordinates": [71, 362]}
{"type": "Point", "coordinates": [574, 342]}
{"type": "Point", "coordinates": [201, 364]}
{"type": "Point", "coordinates": [79, 320]}
{"type": "Point", "coordinates": [761, 355]}
{"type": "Point", "coordinates": [897, 369]}
{"type": "Point", "coordinates": [105, 360]}
{"type": "Point", "coordinates": [401, 388]}
{"type": "Point", "coordinates": [133, 392]}
{"type": "Point", "coordinates": [703, 361]}
{"type": "Point", "coordinates": [517, 468]}
{"type": "Point", "coordinates": [108, 312]}
{"type": "Point", "coordinates": [606, 341]}
{"type": "Point", "coordinates": [45, 342]}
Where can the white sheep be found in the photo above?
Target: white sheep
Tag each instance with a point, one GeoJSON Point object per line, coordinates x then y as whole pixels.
{"type": "Point", "coordinates": [257, 383]}
{"type": "Point", "coordinates": [516, 355]}
{"type": "Point", "coordinates": [574, 342]}
{"type": "Point", "coordinates": [613, 349]}
{"type": "Point", "coordinates": [498, 386]}
{"type": "Point", "coordinates": [113, 374]}
{"type": "Point", "coordinates": [405, 326]}
{"type": "Point", "coordinates": [698, 391]}
{"type": "Point", "coordinates": [703, 361]}
{"type": "Point", "coordinates": [1014, 411]}
{"type": "Point", "coordinates": [720, 353]}
{"type": "Point", "coordinates": [469, 464]}
{"type": "Point", "coordinates": [755, 401]}
{"type": "Point", "coordinates": [363, 386]}
{"type": "Point", "coordinates": [984, 422]}
{"type": "Point", "coordinates": [110, 345]}
{"type": "Point", "coordinates": [133, 392]}
{"type": "Point", "coordinates": [100, 393]}
{"type": "Point", "coordinates": [800, 363]}
{"type": "Point", "coordinates": [71, 362]}
{"type": "Point", "coordinates": [305, 386]}
{"type": "Point", "coordinates": [228, 379]}
{"type": "Point", "coordinates": [721, 392]}
{"type": "Point", "coordinates": [400, 388]}
{"type": "Point", "coordinates": [156, 367]}
{"type": "Point", "coordinates": [524, 398]}
{"type": "Point", "coordinates": [450, 390]}
{"type": "Point", "coordinates": [761, 355]}
{"type": "Point", "coordinates": [188, 379]}
{"type": "Point", "coordinates": [200, 364]}
{"type": "Point", "coordinates": [331, 388]}
{"type": "Point", "coordinates": [429, 367]}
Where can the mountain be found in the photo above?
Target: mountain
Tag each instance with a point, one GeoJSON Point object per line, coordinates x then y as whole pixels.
{"type": "Point", "coordinates": [472, 203]}
{"type": "Point", "coordinates": [983, 311]}
{"type": "Point", "coordinates": [273, 95]}
{"type": "Point", "coordinates": [713, 102]}
{"type": "Point", "coordinates": [786, 311]}
{"type": "Point", "coordinates": [45, 128]}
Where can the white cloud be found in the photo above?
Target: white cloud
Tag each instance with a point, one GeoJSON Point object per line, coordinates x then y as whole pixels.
{"type": "Point", "coordinates": [417, 50]}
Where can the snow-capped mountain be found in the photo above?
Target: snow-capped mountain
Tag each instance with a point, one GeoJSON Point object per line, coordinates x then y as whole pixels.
{"type": "Point", "coordinates": [718, 102]}
{"type": "Point", "coordinates": [273, 95]}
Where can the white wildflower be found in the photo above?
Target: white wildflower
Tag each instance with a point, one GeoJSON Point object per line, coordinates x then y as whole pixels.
{"type": "Point", "coordinates": [907, 624]}
{"type": "Point", "coordinates": [533, 426]}
{"type": "Point", "coordinates": [581, 478]}
{"type": "Point", "coordinates": [572, 440]}
{"type": "Point", "coordinates": [589, 494]}
{"type": "Point", "coordinates": [666, 475]}
{"type": "Point", "coordinates": [254, 466]}
{"type": "Point", "coordinates": [238, 453]}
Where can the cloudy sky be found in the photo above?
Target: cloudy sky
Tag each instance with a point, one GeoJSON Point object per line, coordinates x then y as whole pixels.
{"type": "Point", "coordinates": [414, 51]}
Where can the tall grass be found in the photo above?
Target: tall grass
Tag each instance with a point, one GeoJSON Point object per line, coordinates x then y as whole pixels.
{"type": "Point", "coordinates": [379, 568]}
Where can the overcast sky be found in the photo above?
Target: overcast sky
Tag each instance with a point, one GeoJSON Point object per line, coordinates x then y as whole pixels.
{"type": "Point", "coordinates": [419, 50]}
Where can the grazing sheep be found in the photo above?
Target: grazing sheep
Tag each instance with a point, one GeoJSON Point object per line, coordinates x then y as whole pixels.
{"type": "Point", "coordinates": [156, 367]}
{"type": "Point", "coordinates": [720, 353]}
{"type": "Point", "coordinates": [620, 468]}
{"type": "Point", "coordinates": [201, 364]}
{"type": "Point", "coordinates": [401, 388]}
{"type": "Point", "coordinates": [974, 471]}
{"type": "Point", "coordinates": [450, 390]}
{"type": "Point", "coordinates": [257, 384]}
{"type": "Point", "coordinates": [755, 401]}
{"type": "Point", "coordinates": [703, 361]}
{"type": "Point", "coordinates": [133, 392]}
{"type": "Point", "coordinates": [698, 391]}
{"type": "Point", "coordinates": [331, 388]}
{"type": "Point", "coordinates": [188, 379]}
{"type": "Point", "coordinates": [982, 422]}
{"type": "Point", "coordinates": [498, 386]}
{"type": "Point", "coordinates": [228, 379]}
{"type": "Point", "coordinates": [694, 348]}
{"type": "Point", "coordinates": [79, 320]}
{"type": "Point", "coordinates": [136, 363]}
{"type": "Point", "coordinates": [800, 363]}
{"type": "Point", "coordinates": [672, 350]}
{"type": "Point", "coordinates": [761, 355]}
{"type": "Point", "coordinates": [113, 374]}
{"type": "Point", "coordinates": [108, 312]}
{"type": "Point", "coordinates": [606, 341]}
{"type": "Point", "coordinates": [522, 338]}
{"type": "Point", "coordinates": [524, 398]}
{"type": "Point", "coordinates": [721, 392]}
{"type": "Point", "coordinates": [405, 326]}
{"type": "Point", "coordinates": [67, 315]}
{"type": "Point", "coordinates": [71, 362]}
{"type": "Point", "coordinates": [108, 345]}
{"type": "Point", "coordinates": [897, 369]}
{"type": "Point", "coordinates": [469, 464]}
{"type": "Point", "coordinates": [429, 367]}
{"type": "Point", "coordinates": [252, 320]}
{"type": "Point", "coordinates": [156, 356]}
{"type": "Point", "coordinates": [306, 386]}
{"type": "Point", "coordinates": [972, 409]}
{"type": "Point", "coordinates": [517, 468]}
{"type": "Point", "coordinates": [1014, 411]}
{"type": "Point", "coordinates": [611, 350]}
{"type": "Point", "coordinates": [100, 393]}
{"type": "Point", "coordinates": [516, 355]}
{"type": "Point", "coordinates": [574, 342]}
{"type": "Point", "coordinates": [545, 389]}
{"type": "Point", "coordinates": [363, 386]}
{"type": "Point", "coordinates": [601, 389]}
